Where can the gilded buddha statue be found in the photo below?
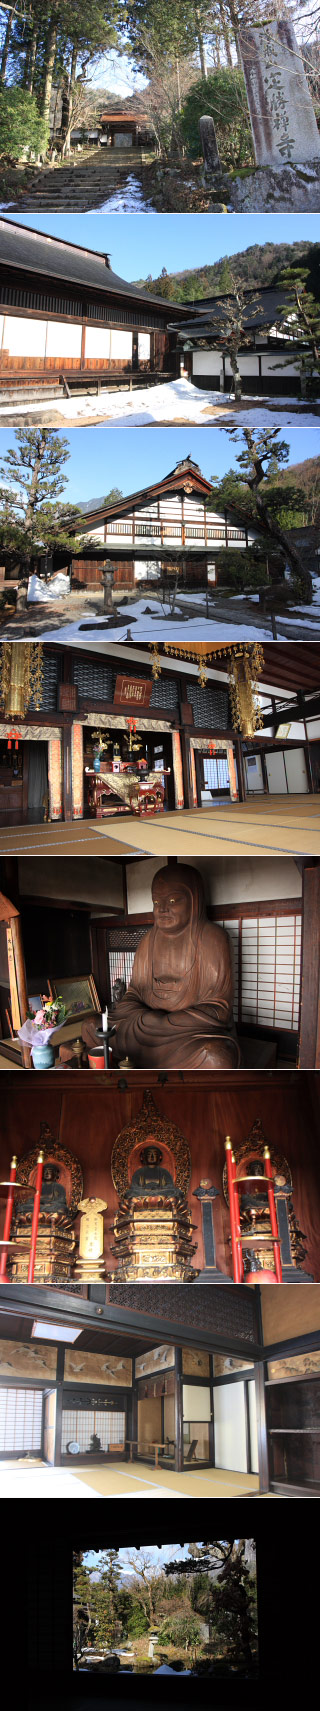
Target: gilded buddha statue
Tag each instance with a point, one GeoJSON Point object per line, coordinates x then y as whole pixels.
{"type": "Point", "coordinates": [178, 1008]}
{"type": "Point", "coordinates": [53, 1199]}
{"type": "Point", "coordinates": [151, 1178]}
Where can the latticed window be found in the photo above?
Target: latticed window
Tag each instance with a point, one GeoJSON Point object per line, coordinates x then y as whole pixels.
{"type": "Point", "coordinates": [210, 706]}
{"type": "Point", "coordinates": [94, 682]}
{"type": "Point", "coordinates": [164, 694]}
{"type": "Point", "coordinates": [122, 944]}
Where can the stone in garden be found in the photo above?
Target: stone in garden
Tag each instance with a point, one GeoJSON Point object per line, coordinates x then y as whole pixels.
{"type": "Point", "coordinates": [209, 144]}
{"type": "Point", "coordinates": [282, 116]}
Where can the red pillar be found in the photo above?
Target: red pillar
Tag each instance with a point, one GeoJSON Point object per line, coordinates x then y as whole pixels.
{"type": "Point", "coordinates": [233, 1215]}
{"type": "Point", "coordinates": [273, 1216]}
{"type": "Point", "coordinates": [237, 1217]}
{"type": "Point", "coordinates": [8, 1220]}
{"type": "Point", "coordinates": [35, 1217]}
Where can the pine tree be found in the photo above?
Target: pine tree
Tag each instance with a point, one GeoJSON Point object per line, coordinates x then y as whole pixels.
{"type": "Point", "coordinates": [31, 518]}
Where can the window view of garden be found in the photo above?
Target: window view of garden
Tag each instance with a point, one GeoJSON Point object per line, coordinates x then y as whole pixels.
{"type": "Point", "coordinates": [189, 1609]}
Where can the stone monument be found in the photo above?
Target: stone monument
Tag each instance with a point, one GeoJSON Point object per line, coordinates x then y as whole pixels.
{"type": "Point", "coordinates": [283, 121]}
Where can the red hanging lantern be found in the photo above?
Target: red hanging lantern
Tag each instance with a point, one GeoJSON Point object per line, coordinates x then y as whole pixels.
{"type": "Point", "coordinates": [16, 735]}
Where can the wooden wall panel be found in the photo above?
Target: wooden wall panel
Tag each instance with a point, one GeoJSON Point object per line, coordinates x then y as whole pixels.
{"type": "Point", "coordinates": [87, 1118]}
{"type": "Point", "coordinates": [288, 1315]}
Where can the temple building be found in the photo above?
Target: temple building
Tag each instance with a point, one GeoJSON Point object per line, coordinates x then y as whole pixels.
{"type": "Point", "coordinates": [65, 316]}
{"type": "Point", "coordinates": [262, 356]}
{"type": "Point", "coordinates": [64, 313]}
{"type": "Point", "coordinates": [107, 731]}
{"type": "Point", "coordinates": [126, 127]}
{"type": "Point", "coordinates": [165, 529]}
{"type": "Point", "coordinates": [211, 1396]}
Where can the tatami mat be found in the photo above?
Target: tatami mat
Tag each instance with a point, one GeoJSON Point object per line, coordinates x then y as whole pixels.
{"type": "Point", "coordinates": [211, 1482]}
{"type": "Point", "coordinates": [279, 825]}
{"type": "Point", "coordinates": [36, 1479]}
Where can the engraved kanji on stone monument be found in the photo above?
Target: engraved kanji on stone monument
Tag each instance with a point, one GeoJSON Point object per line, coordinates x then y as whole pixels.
{"type": "Point", "coordinates": [283, 121]}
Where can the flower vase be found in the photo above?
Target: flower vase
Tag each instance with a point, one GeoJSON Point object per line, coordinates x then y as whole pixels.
{"type": "Point", "coordinates": [43, 1057]}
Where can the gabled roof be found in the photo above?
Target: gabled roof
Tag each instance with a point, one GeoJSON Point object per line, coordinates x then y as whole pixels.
{"type": "Point", "coordinates": [34, 252]}
{"type": "Point", "coordinates": [262, 310]}
{"type": "Point", "coordinates": [174, 482]}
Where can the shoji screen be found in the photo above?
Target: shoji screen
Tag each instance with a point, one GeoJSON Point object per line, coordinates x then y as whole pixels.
{"type": "Point", "coordinates": [20, 1420]}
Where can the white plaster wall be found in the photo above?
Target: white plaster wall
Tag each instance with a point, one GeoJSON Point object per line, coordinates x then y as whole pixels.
{"type": "Point", "coordinates": [206, 362]}
{"type": "Point", "coordinates": [98, 343]}
{"type": "Point", "coordinates": [144, 343]}
{"type": "Point", "coordinates": [246, 879]}
{"type": "Point", "coordinates": [24, 337]}
{"type": "Point", "coordinates": [248, 363]}
{"type": "Point", "coordinates": [272, 365]}
{"type": "Point", "coordinates": [95, 535]}
{"type": "Point", "coordinates": [139, 882]}
{"type": "Point", "coordinates": [98, 882]}
{"type": "Point", "coordinates": [121, 345]}
{"type": "Point", "coordinates": [313, 728]}
{"type": "Point", "coordinates": [63, 339]}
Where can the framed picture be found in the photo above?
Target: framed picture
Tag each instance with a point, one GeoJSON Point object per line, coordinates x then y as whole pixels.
{"type": "Point", "coordinates": [79, 994]}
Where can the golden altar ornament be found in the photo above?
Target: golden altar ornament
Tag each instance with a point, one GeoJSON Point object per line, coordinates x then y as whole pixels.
{"type": "Point", "coordinates": [90, 1267]}
{"type": "Point", "coordinates": [245, 666]}
{"type": "Point", "coordinates": [21, 677]}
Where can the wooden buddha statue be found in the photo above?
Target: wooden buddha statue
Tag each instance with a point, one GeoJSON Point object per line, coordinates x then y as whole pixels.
{"type": "Point", "coordinates": [177, 1011]}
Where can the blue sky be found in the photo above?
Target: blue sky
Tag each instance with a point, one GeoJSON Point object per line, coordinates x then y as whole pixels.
{"type": "Point", "coordinates": [139, 244]}
{"type": "Point", "coordinates": [102, 460]}
{"type": "Point", "coordinates": [157, 1556]}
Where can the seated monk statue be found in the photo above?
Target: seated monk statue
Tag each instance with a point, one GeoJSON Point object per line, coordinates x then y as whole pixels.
{"type": "Point", "coordinates": [152, 1178]}
{"type": "Point", "coordinates": [53, 1195]}
{"type": "Point", "coordinates": [178, 1008]}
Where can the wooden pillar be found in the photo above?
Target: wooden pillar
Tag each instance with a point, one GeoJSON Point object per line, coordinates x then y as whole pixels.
{"type": "Point", "coordinates": [240, 769]}
{"type": "Point", "coordinates": [264, 1484]}
{"type": "Point", "coordinates": [58, 1432]}
{"type": "Point", "coordinates": [67, 773]}
{"type": "Point", "coordinates": [185, 749]}
{"type": "Point", "coordinates": [134, 1415]}
{"type": "Point", "coordinates": [16, 933]}
{"type": "Point", "coordinates": [212, 1452]}
{"type": "Point", "coordinates": [178, 1412]}
{"type": "Point", "coordinates": [309, 1045]}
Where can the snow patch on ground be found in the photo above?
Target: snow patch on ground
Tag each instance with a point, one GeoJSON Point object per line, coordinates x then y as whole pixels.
{"type": "Point", "coordinates": [176, 401]}
{"type": "Point", "coordinates": [56, 589]}
{"type": "Point", "coordinates": [148, 629]}
{"type": "Point", "coordinates": [129, 199]}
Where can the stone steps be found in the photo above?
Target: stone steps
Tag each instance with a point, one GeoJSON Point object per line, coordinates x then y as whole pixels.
{"type": "Point", "coordinates": [81, 185]}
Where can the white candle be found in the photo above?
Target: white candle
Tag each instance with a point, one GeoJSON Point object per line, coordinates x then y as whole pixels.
{"type": "Point", "coordinates": [105, 1021]}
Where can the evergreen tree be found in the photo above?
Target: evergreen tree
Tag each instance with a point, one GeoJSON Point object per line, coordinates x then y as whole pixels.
{"type": "Point", "coordinates": [31, 518]}
{"type": "Point", "coordinates": [300, 319]}
{"type": "Point", "coordinates": [248, 491]}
